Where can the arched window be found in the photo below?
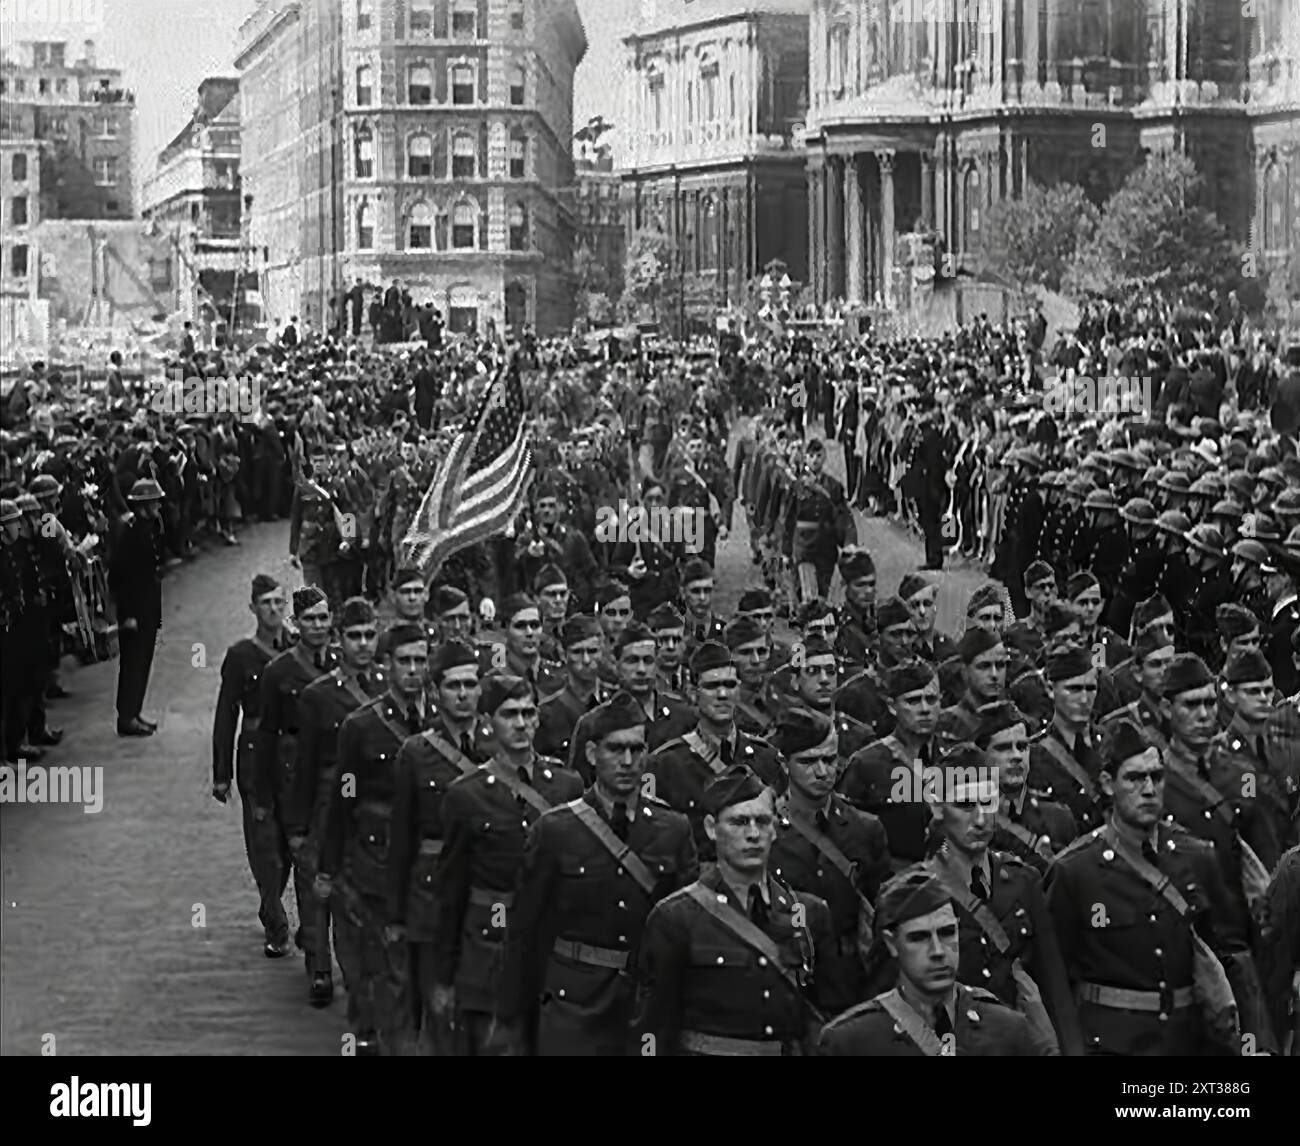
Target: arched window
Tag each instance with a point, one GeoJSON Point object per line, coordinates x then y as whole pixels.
{"type": "Point", "coordinates": [419, 229]}
{"type": "Point", "coordinates": [365, 85]}
{"type": "Point", "coordinates": [710, 104]}
{"type": "Point", "coordinates": [464, 156]}
{"type": "Point", "coordinates": [462, 84]}
{"type": "Point", "coordinates": [1274, 209]}
{"type": "Point", "coordinates": [518, 224]}
{"type": "Point", "coordinates": [365, 152]}
{"type": "Point", "coordinates": [516, 85]}
{"type": "Point", "coordinates": [464, 222]}
{"type": "Point", "coordinates": [971, 206]}
{"type": "Point", "coordinates": [365, 227]}
{"type": "Point", "coordinates": [419, 84]}
{"type": "Point", "coordinates": [518, 155]}
{"type": "Point", "coordinates": [419, 156]}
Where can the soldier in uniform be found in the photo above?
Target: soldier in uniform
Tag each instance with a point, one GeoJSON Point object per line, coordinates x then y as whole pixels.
{"type": "Point", "coordinates": [757, 605]}
{"type": "Point", "coordinates": [697, 599]}
{"type": "Point", "coordinates": [452, 618]}
{"type": "Point", "coordinates": [1138, 905]}
{"type": "Point", "coordinates": [751, 651]}
{"type": "Point", "coordinates": [234, 728]}
{"type": "Point", "coordinates": [864, 695]}
{"type": "Point", "coordinates": [1143, 568]}
{"type": "Point", "coordinates": [812, 680]}
{"type": "Point", "coordinates": [667, 714]}
{"type": "Point", "coordinates": [818, 521]}
{"type": "Point", "coordinates": [135, 580]}
{"type": "Point", "coordinates": [857, 616]}
{"type": "Point", "coordinates": [1084, 596]}
{"type": "Point", "coordinates": [682, 767]}
{"type": "Point", "coordinates": [486, 817]}
{"type": "Point", "coordinates": [921, 596]}
{"type": "Point", "coordinates": [1251, 563]}
{"type": "Point", "coordinates": [614, 611]}
{"type": "Point", "coordinates": [1283, 621]}
{"type": "Point", "coordinates": [669, 628]}
{"type": "Point", "coordinates": [761, 995]}
{"type": "Point", "coordinates": [929, 1013]}
{"type": "Point", "coordinates": [322, 707]}
{"type": "Point", "coordinates": [275, 743]}
{"type": "Point", "coordinates": [354, 851]}
{"type": "Point", "coordinates": [828, 848]}
{"type": "Point", "coordinates": [1064, 763]}
{"type": "Point", "coordinates": [592, 870]}
{"type": "Point", "coordinates": [410, 595]}
{"type": "Point", "coordinates": [1279, 949]}
{"type": "Point", "coordinates": [583, 689]}
{"type": "Point", "coordinates": [1152, 654]}
{"type": "Point", "coordinates": [984, 669]}
{"type": "Point", "coordinates": [521, 655]}
{"type": "Point", "coordinates": [552, 589]}
{"type": "Point", "coordinates": [457, 741]}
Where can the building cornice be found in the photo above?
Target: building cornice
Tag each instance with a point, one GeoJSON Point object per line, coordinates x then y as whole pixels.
{"type": "Point", "coordinates": [289, 13]}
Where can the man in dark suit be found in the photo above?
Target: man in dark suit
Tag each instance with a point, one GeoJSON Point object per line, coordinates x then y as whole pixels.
{"type": "Point", "coordinates": [135, 580]}
{"type": "Point", "coordinates": [926, 480]}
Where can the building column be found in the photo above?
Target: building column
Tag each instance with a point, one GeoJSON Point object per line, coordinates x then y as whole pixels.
{"type": "Point", "coordinates": [853, 228]}
{"type": "Point", "coordinates": [811, 180]}
{"type": "Point", "coordinates": [755, 82]}
{"type": "Point", "coordinates": [1053, 30]}
{"type": "Point", "coordinates": [1029, 21]}
{"type": "Point", "coordinates": [927, 189]}
{"type": "Point", "coordinates": [835, 226]}
{"type": "Point", "coordinates": [886, 160]}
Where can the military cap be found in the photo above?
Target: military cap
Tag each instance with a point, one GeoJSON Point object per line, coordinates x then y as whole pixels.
{"type": "Point", "coordinates": [450, 655]}
{"type": "Point", "coordinates": [813, 610]}
{"type": "Point", "coordinates": [1154, 475]}
{"type": "Point", "coordinates": [816, 446]}
{"type": "Point", "coordinates": [1149, 610]}
{"type": "Point", "coordinates": [997, 717]}
{"type": "Point", "coordinates": [912, 894]}
{"type": "Point", "coordinates": [1068, 663]}
{"type": "Point", "coordinates": [1039, 572]}
{"type": "Point", "coordinates": [1207, 486]}
{"type": "Point", "coordinates": [1242, 487]}
{"type": "Point", "coordinates": [975, 643]}
{"type": "Point", "coordinates": [696, 569]}
{"type": "Point", "coordinates": [1226, 510]}
{"type": "Point", "coordinates": [146, 489]}
{"type": "Point", "coordinates": [1287, 502]}
{"type": "Point", "coordinates": [1272, 475]}
{"type": "Point", "coordinates": [579, 627]}
{"type": "Point", "coordinates": [1176, 482]}
{"type": "Point", "coordinates": [448, 597]}
{"type": "Point", "coordinates": [1126, 459]}
{"type": "Point", "coordinates": [1101, 500]}
{"type": "Point", "coordinates": [1079, 584]}
{"type": "Point", "coordinates": [1186, 672]}
{"type": "Point", "coordinates": [911, 676]}
{"type": "Point", "coordinates": [856, 563]}
{"type": "Point", "coordinates": [9, 510]}
{"type": "Point", "coordinates": [1247, 666]}
{"type": "Point", "coordinates": [1149, 641]}
{"type": "Point", "coordinates": [356, 611]}
{"type": "Point", "coordinates": [737, 785]}
{"type": "Point", "coordinates": [967, 778]}
{"type": "Point", "coordinates": [263, 583]}
{"type": "Point", "coordinates": [664, 617]}
{"type": "Point", "coordinates": [45, 485]}
{"type": "Point", "coordinates": [1174, 521]}
{"type": "Point", "coordinates": [498, 689]}
{"type": "Point", "coordinates": [610, 592]}
{"type": "Point", "coordinates": [515, 604]}
{"type": "Point", "coordinates": [620, 712]}
{"type": "Point", "coordinates": [741, 631]}
{"type": "Point", "coordinates": [1292, 543]}
{"type": "Point", "coordinates": [817, 647]}
{"type": "Point", "coordinates": [984, 597]}
{"type": "Point", "coordinates": [547, 576]}
{"type": "Point", "coordinates": [911, 585]}
{"type": "Point", "coordinates": [407, 576]}
{"type": "Point", "coordinates": [407, 633]}
{"type": "Point", "coordinates": [1207, 539]}
{"type": "Point", "coordinates": [800, 730]}
{"type": "Point", "coordinates": [635, 634]}
{"type": "Point", "coordinates": [1262, 527]}
{"type": "Point", "coordinates": [1122, 742]}
{"type": "Point", "coordinates": [710, 655]}
{"type": "Point", "coordinates": [1058, 617]}
{"type": "Point", "coordinates": [753, 599]}
{"type": "Point", "coordinates": [1138, 511]}
{"type": "Point", "coordinates": [1254, 553]}
{"type": "Point", "coordinates": [308, 597]}
{"type": "Point", "coordinates": [647, 484]}
{"type": "Point", "coordinates": [892, 612]}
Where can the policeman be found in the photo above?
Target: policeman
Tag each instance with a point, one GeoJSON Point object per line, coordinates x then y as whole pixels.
{"type": "Point", "coordinates": [683, 767]}
{"type": "Point", "coordinates": [929, 1013]}
{"type": "Point", "coordinates": [669, 629]}
{"type": "Point", "coordinates": [521, 654]}
{"type": "Point", "coordinates": [984, 670]}
{"type": "Point", "coordinates": [486, 817]}
{"type": "Point", "coordinates": [751, 651]}
{"type": "Point", "coordinates": [275, 745]}
{"type": "Point", "coordinates": [857, 616]}
{"type": "Point", "coordinates": [353, 864]}
{"type": "Point", "coordinates": [1138, 909]}
{"type": "Point", "coordinates": [135, 580]}
{"type": "Point", "coordinates": [592, 871]}
{"type": "Point", "coordinates": [234, 728]}
{"type": "Point", "coordinates": [1152, 653]}
{"type": "Point", "coordinates": [1064, 763]}
{"type": "Point", "coordinates": [583, 689]}
{"type": "Point", "coordinates": [322, 708]}
{"type": "Point", "coordinates": [760, 995]}
{"type": "Point", "coordinates": [457, 741]}
{"type": "Point", "coordinates": [826, 847]}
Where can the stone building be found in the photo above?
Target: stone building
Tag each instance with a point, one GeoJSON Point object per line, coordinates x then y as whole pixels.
{"type": "Point", "coordinates": [598, 215]}
{"type": "Point", "coordinates": [20, 212]}
{"type": "Point", "coordinates": [425, 141]}
{"type": "Point", "coordinates": [924, 113]}
{"type": "Point", "coordinates": [715, 97]}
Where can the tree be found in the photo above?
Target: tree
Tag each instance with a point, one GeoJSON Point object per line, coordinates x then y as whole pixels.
{"type": "Point", "coordinates": [1155, 235]}
{"type": "Point", "coordinates": [646, 273]}
{"type": "Point", "coordinates": [591, 286]}
{"type": "Point", "coordinates": [1031, 240]}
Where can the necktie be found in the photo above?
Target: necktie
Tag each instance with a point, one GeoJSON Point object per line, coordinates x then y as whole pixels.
{"type": "Point", "coordinates": [942, 1023]}
{"type": "Point", "coordinates": [619, 821]}
{"type": "Point", "coordinates": [1013, 813]}
{"type": "Point", "coordinates": [1259, 748]}
{"type": "Point", "coordinates": [413, 719]}
{"type": "Point", "coordinates": [757, 908]}
{"type": "Point", "coordinates": [363, 681]}
{"type": "Point", "coordinates": [977, 886]}
{"type": "Point", "coordinates": [466, 744]}
{"type": "Point", "coordinates": [1149, 853]}
{"type": "Point", "coordinates": [727, 754]}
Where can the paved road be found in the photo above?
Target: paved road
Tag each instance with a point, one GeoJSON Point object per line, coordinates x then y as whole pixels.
{"type": "Point", "coordinates": [100, 946]}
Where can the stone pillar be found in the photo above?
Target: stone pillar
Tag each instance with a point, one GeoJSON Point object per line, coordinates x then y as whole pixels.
{"type": "Point", "coordinates": [927, 189]}
{"type": "Point", "coordinates": [814, 275]}
{"type": "Point", "coordinates": [1052, 87]}
{"type": "Point", "coordinates": [834, 232]}
{"type": "Point", "coordinates": [853, 228]}
{"type": "Point", "coordinates": [816, 58]}
{"type": "Point", "coordinates": [1029, 22]}
{"type": "Point", "coordinates": [886, 161]}
{"type": "Point", "coordinates": [755, 82]}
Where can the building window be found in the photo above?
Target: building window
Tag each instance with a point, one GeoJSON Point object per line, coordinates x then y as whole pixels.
{"type": "Point", "coordinates": [18, 167]}
{"type": "Point", "coordinates": [58, 125]}
{"type": "Point", "coordinates": [18, 261]}
{"type": "Point", "coordinates": [1274, 209]}
{"type": "Point", "coordinates": [657, 99]}
{"type": "Point", "coordinates": [518, 228]}
{"type": "Point", "coordinates": [464, 156]}
{"type": "Point", "coordinates": [44, 86]}
{"type": "Point", "coordinates": [421, 15]}
{"type": "Point", "coordinates": [106, 126]}
{"type": "Point", "coordinates": [365, 85]}
{"type": "Point", "coordinates": [516, 15]}
{"type": "Point", "coordinates": [61, 86]}
{"type": "Point", "coordinates": [365, 227]}
{"type": "Point", "coordinates": [18, 211]}
{"type": "Point", "coordinates": [971, 205]}
{"type": "Point", "coordinates": [731, 97]}
{"type": "Point", "coordinates": [516, 85]}
{"type": "Point", "coordinates": [419, 234]}
{"type": "Point", "coordinates": [463, 219]}
{"type": "Point", "coordinates": [365, 14]}
{"type": "Point", "coordinates": [365, 152]}
{"type": "Point", "coordinates": [709, 106]}
{"type": "Point", "coordinates": [462, 84]}
{"type": "Point", "coordinates": [20, 86]}
{"type": "Point", "coordinates": [419, 86]}
{"type": "Point", "coordinates": [419, 157]}
{"type": "Point", "coordinates": [464, 20]}
{"type": "Point", "coordinates": [838, 57]}
{"type": "Point", "coordinates": [105, 170]}
{"type": "Point", "coordinates": [57, 55]}
{"type": "Point", "coordinates": [518, 156]}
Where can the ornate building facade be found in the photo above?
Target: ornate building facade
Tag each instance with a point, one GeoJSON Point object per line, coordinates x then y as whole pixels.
{"type": "Point", "coordinates": [715, 98]}
{"type": "Point", "coordinates": [924, 113]}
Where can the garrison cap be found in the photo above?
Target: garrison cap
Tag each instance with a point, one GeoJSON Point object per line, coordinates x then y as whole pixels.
{"type": "Point", "coordinates": [1058, 618]}
{"type": "Point", "coordinates": [1149, 611]}
{"type": "Point", "coordinates": [737, 785]}
{"type": "Point", "coordinates": [997, 717]}
{"type": "Point", "coordinates": [1186, 672]}
{"type": "Point", "coordinates": [696, 569]}
{"type": "Point", "coordinates": [356, 611]}
{"type": "Point", "coordinates": [610, 592]}
{"type": "Point", "coordinates": [753, 599]}
{"type": "Point", "coordinates": [911, 585]}
{"type": "Point", "coordinates": [635, 634]}
{"type": "Point", "coordinates": [665, 617]}
{"type": "Point", "coordinates": [547, 576]}
{"type": "Point", "coordinates": [1079, 584]}
{"type": "Point", "coordinates": [813, 610]}
{"type": "Point", "coordinates": [1149, 641]}
{"type": "Point", "coordinates": [984, 597]}
{"type": "Point", "coordinates": [1038, 572]}
{"type": "Point", "coordinates": [448, 597]}
{"type": "Point", "coordinates": [710, 655]}
{"type": "Point", "coordinates": [800, 730]}
{"type": "Point", "coordinates": [579, 627]}
{"type": "Point", "coordinates": [1235, 620]}
{"type": "Point", "coordinates": [450, 655]}
{"type": "Point", "coordinates": [263, 583]}
{"type": "Point", "coordinates": [911, 895]}
{"type": "Point", "coordinates": [817, 647]}
{"type": "Point", "coordinates": [912, 676]}
{"type": "Point", "coordinates": [308, 597]}
{"type": "Point", "coordinates": [975, 643]}
{"type": "Point", "coordinates": [892, 612]}
{"type": "Point", "coordinates": [742, 631]}
{"type": "Point", "coordinates": [620, 712]}
{"type": "Point", "coordinates": [498, 689]}
{"type": "Point", "coordinates": [855, 563]}
{"type": "Point", "coordinates": [1068, 663]}
{"type": "Point", "coordinates": [406, 634]}
{"type": "Point", "coordinates": [515, 604]}
{"type": "Point", "coordinates": [1123, 742]}
{"type": "Point", "coordinates": [407, 577]}
{"type": "Point", "coordinates": [1247, 666]}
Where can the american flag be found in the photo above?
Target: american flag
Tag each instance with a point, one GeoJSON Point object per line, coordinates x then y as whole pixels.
{"type": "Point", "coordinates": [479, 487]}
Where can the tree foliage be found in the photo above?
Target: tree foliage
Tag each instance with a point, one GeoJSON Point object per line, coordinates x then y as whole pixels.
{"type": "Point", "coordinates": [1032, 240]}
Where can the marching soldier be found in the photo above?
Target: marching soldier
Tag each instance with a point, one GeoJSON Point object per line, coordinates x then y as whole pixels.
{"type": "Point", "coordinates": [818, 523]}
{"type": "Point", "coordinates": [984, 669]}
{"type": "Point", "coordinates": [486, 817]}
{"type": "Point", "coordinates": [552, 589]}
{"type": "Point", "coordinates": [521, 655]}
{"type": "Point", "coordinates": [864, 695]}
{"type": "Point", "coordinates": [234, 730]}
{"type": "Point", "coordinates": [812, 680]}
{"type": "Point", "coordinates": [669, 628]}
{"type": "Point", "coordinates": [761, 996]}
{"type": "Point", "coordinates": [1152, 654]}
{"type": "Point", "coordinates": [410, 602]}
{"type": "Point", "coordinates": [697, 597]}
{"type": "Point", "coordinates": [455, 744]}
{"type": "Point", "coordinates": [1064, 764]}
{"type": "Point", "coordinates": [929, 1013]}
{"type": "Point", "coordinates": [1084, 596]}
{"type": "Point", "coordinates": [452, 618]}
{"type": "Point", "coordinates": [751, 651]}
{"type": "Point", "coordinates": [857, 616]}
{"type": "Point", "coordinates": [614, 612]}
{"type": "Point", "coordinates": [826, 847]}
{"type": "Point", "coordinates": [592, 870]}
{"type": "Point", "coordinates": [757, 605]}
{"type": "Point", "coordinates": [322, 707]}
{"type": "Point", "coordinates": [921, 597]}
{"type": "Point", "coordinates": [354, 853]}
{"type": "Point", "coordinates": [583, 690]}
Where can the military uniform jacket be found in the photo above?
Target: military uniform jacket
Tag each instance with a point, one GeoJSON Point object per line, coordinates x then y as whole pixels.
{"type": "Point", "coordinates": [695, 976]}
{"type": "Point", "coordinates": [1277, 645]}
{"type": "Point", "coordinates": [686, 765]}
{"type": "Point", "coordinates": [821, 502]}
{"type": "Point", "coordinates": [135, 574]}
{"type": "Point", "coordinates": [982, 1027]}
{"type": "Point", "coordinates": [276, 739]}
{"type": "Point", "coordinates": [546, 677]}
{"type": "Point", "coordinates": [699, 630]}
{"type": "Point", "coordinates": [862, 697]}
{"type": "Point", "coordinates": [1245, 758]}
{"type": "Point", "coordinates": [559, 716]}
{"type": "Point", "coordinates": [240, 692]}
{"type": "Point", "coordinates": [806, 866]}
{"type": "Point", "coordinates": [485, 827]}
{"type": "Point", "coordinates": [876, 775]}
{"type": "Point", "coordinates": [855, 637]}
{"type": "Point", "coordinates": [1279, 948]}
{"type": "Point", "coordinates": [672, 716]}
{"type": "Point", "coordinates": [958, 722]}
{"type": "Point", "coordinates": [1069, 778]}
{"type": "Point", "coordinates": [1033, 830]}
{"type": "Point", "coordinates": [752, 713]}
{"type": "Point", "coordinates": [572, 889]}
{"type": "Point", "coordinates": [425, 773]}
{"type": "Point", "coordinates": [1142, 713]}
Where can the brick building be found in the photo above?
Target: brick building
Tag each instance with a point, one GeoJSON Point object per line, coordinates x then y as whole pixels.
{"type": "Point", "coordinates": [924, 113]}
{"type": "Point", "coordinates": [424, 140]}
